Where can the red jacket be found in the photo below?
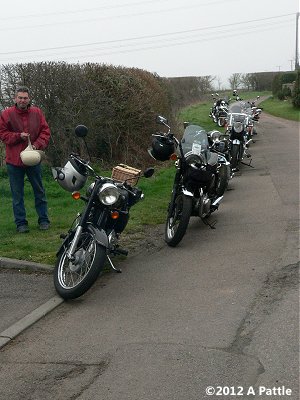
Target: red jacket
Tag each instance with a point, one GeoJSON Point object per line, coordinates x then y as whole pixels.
{"type": "Point", "coordinates": [13, 121]}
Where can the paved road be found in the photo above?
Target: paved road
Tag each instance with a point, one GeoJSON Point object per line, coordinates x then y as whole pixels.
{"type": "Point", "coordinates": [220, 310]}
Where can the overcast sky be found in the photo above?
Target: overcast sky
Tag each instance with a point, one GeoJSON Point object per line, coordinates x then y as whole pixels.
{"type": "Point", "coordinates": [168, 37]}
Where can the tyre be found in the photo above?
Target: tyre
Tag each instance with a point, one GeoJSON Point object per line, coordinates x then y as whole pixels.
{"type": "Point", "coordinates": [222, 181]}
{"type": "Point", "coordinates": [177, 222]}
{"type": "Point", "coordinates": [234, 156]}
{"type": "Point", "coordinates": [72, 278]}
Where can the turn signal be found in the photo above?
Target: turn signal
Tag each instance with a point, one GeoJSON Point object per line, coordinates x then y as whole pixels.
{"type": "Point", "coordinates": [173, 157]}
{"type": "Point", "coordinates": [114, 214]}
{"type": "Point", "coordinates": [76, 195]}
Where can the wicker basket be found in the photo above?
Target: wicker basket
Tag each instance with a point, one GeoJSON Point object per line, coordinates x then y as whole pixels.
{"type": "Point", "coordinates": [123, 173]}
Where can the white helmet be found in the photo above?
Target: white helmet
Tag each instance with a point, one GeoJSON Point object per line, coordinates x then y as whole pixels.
{"type": "Point", "coordinates": [71, 177]}
{"type": "Point", "coordinates": [30, 158]}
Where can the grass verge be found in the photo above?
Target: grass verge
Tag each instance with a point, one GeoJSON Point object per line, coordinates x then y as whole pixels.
{"type": "Point", "coordinates": [282, 109]}
{"type": "Point", "coordinates": [41, 246]}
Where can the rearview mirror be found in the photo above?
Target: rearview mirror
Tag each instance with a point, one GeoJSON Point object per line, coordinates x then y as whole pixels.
{"type": "Point", "coordinates": [81, 131]}
{"type": "Point", "coordinates": [161, 120]}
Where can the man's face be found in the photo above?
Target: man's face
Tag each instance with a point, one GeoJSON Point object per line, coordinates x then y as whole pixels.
{"type": "Point", "coordinates": [22, 100]}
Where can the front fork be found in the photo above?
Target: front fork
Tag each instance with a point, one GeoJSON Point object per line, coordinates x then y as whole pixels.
{"type": "Point", "coordinates": [174, 193]}
{"type": "Point", "coordinates": [71, 250]}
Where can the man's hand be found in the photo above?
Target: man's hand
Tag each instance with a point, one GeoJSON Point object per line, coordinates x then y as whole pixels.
{"type": "Point", "coordinates": [24, 135]}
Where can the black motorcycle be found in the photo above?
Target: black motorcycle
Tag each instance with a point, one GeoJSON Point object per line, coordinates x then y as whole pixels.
{"type": "Point", "coordinates": [93, 236]}
{"type": "Point", "coordinates": [196, 189]}
{"type": "Point", "coordinates": [219, 143]}
{"type": "Point", "coordinates": [239, 130]}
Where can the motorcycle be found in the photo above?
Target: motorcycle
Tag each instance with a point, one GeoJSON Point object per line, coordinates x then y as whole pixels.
{"type": "Point", "coordinates": [219, 144]}
{"type": "Point", "coordinates": [222, 114]}
{"type": "Point", "coordinates": [94, 234]}
{"type": "Point", "coordinates": [239, 128]}
{"type": "Point", "coordinates": [219, 110]}
{"type": "Point", "coordinates": [255, 114]}
{"type": "Point", "coordinates": [196, 189]}
{"type": "Point", "coordinates": [212, 113]}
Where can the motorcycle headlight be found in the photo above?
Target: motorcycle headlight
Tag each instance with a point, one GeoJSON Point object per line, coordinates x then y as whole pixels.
{"type": "Point", "coordinates": [194, 160]}
{"type": "Point", "coordinates": [108, 194]}
{"type": "Point", "coordinates": [221, 146]}
{"type": "Point", "coordinates": [215, 135]}
{"type": "Point", "coordinates": [238, 127]}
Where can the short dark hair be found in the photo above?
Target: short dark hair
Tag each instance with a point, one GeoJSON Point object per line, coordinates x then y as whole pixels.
{"type": "Point", "coordinates": [22, 89]}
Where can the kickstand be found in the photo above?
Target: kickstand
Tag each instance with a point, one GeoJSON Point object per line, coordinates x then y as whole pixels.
{"type": "Point", "coordinates": [112, 265]}
{"type": "Point", "coordinates": [248, 165]}
{"type": "Point", "coordinates": [211, 225]}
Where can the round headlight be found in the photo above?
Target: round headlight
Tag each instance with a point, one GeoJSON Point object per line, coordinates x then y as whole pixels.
{"type": "Point", "coordinates": [215, 135]}
{"type": "Point", "coordinates": [238, 127]}
{"type": "Point", "coordinates": [194, 159]}
{"type": "Point", "coordinates": [108, 194]}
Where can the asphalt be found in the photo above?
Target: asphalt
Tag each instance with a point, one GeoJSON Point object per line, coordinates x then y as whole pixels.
{"type": "Point", "coordinates": [27, 294]}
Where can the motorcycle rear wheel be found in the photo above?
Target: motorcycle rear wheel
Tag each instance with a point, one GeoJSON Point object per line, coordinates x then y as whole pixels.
{"type": "Point", "coordinates": [177, 222]}
{"type": "Point", "coordinates": [72, 278]}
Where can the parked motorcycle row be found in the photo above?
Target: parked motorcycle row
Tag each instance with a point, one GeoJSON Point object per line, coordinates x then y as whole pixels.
{"type": "Point", "coordinates": [204, 161]}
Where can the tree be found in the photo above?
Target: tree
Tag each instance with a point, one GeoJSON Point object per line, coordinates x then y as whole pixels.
{"type": "Point", "coordinates": [117, 104]}
{"type": "Point", "coordinates": [246, 81]}
{"type": "Point", "coordinates": [235, 80]}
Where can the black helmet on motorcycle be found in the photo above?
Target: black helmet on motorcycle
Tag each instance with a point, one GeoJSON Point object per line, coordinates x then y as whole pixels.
{"type": "Point", "coordinates": [71, 177]}
{"type": "Point", "coordinates": [162, 147]}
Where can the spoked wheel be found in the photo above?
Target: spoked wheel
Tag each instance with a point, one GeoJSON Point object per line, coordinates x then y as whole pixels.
{"type": "Point", "coordinates": [178, 220]}
{"type": "Point", "coordinates": [73, 277]}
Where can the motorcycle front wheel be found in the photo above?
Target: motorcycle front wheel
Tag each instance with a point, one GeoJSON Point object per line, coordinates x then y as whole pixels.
{"type": "Point", "coordinates": [234, 156]}
{"type": "Point", "coordinates": [73, 277]}
{"type": "Point", "coordinates": [222, 181]}
{"type": "Point", "coordinates": [178, 219]}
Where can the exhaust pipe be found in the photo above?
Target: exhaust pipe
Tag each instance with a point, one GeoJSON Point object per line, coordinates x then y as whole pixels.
{"type": "Point", "coordinates": [217, 201]}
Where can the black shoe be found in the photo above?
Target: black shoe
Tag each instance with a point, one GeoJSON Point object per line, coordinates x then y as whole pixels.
{"type": "Point", "coordinates": [44, 226]}
{"type": "Point", "coordinates": [23, 229]}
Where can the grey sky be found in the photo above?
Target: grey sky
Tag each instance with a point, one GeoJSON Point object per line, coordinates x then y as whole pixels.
{"type": "Point", "coordinates": [169, 37]}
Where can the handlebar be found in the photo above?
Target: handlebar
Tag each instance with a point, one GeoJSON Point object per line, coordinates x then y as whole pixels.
{"type": "Point", "coordinates": [82, 162]}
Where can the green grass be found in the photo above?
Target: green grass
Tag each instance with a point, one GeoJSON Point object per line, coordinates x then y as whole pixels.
{"type": "Point", "coordinates": [279, 108]}
{"type": "Point", "coordinates": [41, 246]}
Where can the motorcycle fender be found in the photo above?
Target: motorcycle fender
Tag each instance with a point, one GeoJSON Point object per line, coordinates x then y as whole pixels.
{"type": "Point", "coordinates": [187, 193]}
{"type": "Point", "coordinates": [222, 160]}
{"type": "Point", "coordinates": [100, 235]}
{"type": "Point", "coordinates": [236, 141]}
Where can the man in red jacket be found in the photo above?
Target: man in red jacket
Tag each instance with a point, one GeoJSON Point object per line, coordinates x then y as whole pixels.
{"type": "Point", "coordinates": [17, 123]}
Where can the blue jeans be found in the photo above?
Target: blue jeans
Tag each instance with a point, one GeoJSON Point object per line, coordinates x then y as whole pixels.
{"type": "Point", "coordinates": [16, 179]}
